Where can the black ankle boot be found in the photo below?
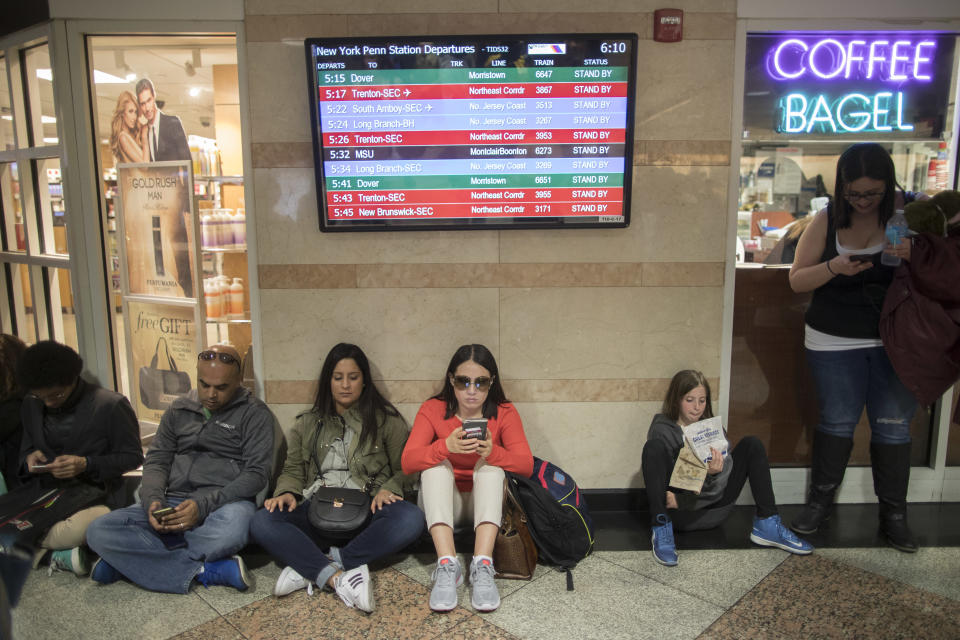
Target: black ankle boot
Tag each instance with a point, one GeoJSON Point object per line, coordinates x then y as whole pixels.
{"type": "Point", "coordinates": [816, 511]}
{"type": "Point", "coordinates": [891, 475]}
{"type": "Point", "coordinates": [827, 464]}
{"type": "Point", "coordinates": [894, 527]}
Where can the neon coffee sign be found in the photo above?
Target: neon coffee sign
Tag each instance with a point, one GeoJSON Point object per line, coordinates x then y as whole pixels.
{"type": "Point", "coordinates": [848, 84]}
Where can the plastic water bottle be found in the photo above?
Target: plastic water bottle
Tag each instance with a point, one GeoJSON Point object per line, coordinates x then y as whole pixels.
{"type": "Point", "coordinates": [896, 233]}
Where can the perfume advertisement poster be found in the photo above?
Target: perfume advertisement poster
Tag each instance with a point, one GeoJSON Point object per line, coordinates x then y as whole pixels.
{"type": "Point", "coordinates": [163, 344]}
{"type": "Point", "coordinates": [158, 228]}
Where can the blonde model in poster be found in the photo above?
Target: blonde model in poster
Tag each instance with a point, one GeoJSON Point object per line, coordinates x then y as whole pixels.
{"type": "Point", "coordinates": [128, 139]}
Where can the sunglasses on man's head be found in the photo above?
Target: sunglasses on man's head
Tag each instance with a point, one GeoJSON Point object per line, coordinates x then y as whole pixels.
{"type": "Point", "coordinates": [225, 358]}
{"type": "Point", "coordinates": [463, 382]}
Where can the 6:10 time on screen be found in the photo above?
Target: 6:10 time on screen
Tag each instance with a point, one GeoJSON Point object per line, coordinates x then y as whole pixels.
{"type": "Point", "coordinates": [613, 47]}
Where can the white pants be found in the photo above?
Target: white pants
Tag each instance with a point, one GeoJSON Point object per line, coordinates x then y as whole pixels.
{"type": "Point", "coordinates": [443, 504]}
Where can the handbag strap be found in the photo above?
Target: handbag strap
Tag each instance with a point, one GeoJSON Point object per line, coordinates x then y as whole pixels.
{"type": "Point", "coordinates": [172, 365]}
{"type": "Point", "coordinates": [313, 457]}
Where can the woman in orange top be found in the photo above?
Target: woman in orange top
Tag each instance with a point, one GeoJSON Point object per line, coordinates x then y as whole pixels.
{"type": "Point", "coordinates": [464, 476]}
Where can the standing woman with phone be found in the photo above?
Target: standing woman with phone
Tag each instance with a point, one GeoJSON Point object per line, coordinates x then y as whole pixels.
{"type": "Point", "coordinates": [462, 477]}
{"type": "Point", "coordinates": [842, 339]}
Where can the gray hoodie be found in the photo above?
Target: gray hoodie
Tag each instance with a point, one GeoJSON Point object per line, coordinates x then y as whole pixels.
{"type": "Point", "coordinates": [663, 428]}
{"type": "Point", "coordinates": [213, 461]}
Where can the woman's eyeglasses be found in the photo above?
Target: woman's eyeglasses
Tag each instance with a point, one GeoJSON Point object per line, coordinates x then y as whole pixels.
{"type": "Point", "coordinates": [854, 196]}
{"type": "Point", "coordinates": [463, 382]}
{"type": "Point", "coordinates": [225, 358]}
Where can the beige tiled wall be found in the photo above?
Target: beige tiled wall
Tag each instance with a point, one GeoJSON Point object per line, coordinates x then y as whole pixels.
{"type": "Point", "coordinates": [587, 325]}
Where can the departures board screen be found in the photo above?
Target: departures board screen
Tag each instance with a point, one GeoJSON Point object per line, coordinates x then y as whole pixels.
{"type": "Point", "coordinates": [473, 132]}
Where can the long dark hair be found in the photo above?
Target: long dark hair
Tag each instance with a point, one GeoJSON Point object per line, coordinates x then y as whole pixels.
{"type": "Point", "coordinates": [864, 160]}
{"type": "Point", "coordinates": [683, 382]}
{"type": "Point", "coordinates": [11, 350]}
{"type": "Point", "coordinates": [373, 407]}
{"type": "Point", "coordinates": [482, 356]}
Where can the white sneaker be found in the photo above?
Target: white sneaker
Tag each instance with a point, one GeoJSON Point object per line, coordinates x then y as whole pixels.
{"type": "Point", "coordinates": [290, 581]}
{"type": "Point", "coordinates": [355, 589]}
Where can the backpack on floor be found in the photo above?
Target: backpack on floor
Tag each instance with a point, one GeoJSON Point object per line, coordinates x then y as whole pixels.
{"type": "Point", "coordinates": [557, 515]}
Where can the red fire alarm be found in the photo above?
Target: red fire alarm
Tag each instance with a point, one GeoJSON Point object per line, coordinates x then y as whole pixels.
{"type": "Point", "coordinates": [668, 25]}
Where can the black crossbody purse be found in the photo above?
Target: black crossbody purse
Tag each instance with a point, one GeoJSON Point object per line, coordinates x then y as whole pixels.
{"type": "Point", "coordinates": [339, 512]}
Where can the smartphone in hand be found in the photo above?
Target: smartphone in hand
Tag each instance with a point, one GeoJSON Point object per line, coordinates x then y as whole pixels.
{"type": "Point", "coordinates": [862, 257]}
{"type": "Point", "coordinates": [475, 428]}
{"type": "Point", "coordinates": [159, 513]}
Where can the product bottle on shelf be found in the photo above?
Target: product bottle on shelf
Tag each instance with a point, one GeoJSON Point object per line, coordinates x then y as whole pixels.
{"type": "Point", "coordinates": [205, 231]}
{"type": "Point", "coordinates": [236, 299]}
{"type": "Point", "coordinates": [223, 286]}
{"type": "Point", "coordinates": [896, 232]}
{"type": "Point", "coordinates": [211, 295]}
{"type": "Point", "coordinates": [240, 230]}
{"type": "Point", "coordinates": [228, 240]}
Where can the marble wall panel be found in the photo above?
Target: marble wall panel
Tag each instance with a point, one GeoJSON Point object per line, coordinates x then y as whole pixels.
{"type": "Point", "coordinates": [277, 73]}
{"type": "Point", "coordinates": [600, 333]}
{"type": "Point", "coordinates": [681, 152]}
{"type": "Point", "coordinates": [277, 155]}
{"type": "Point", "coordinates": [708, 26]}
{"type": "Point", "coordinates": [268, 7]}
{"type": "Point", "coordinates": [683, 274]}
{"type": "Point", "coordinates": [500, 275]}
{"type": "Point", "coordinates": [277, 28]}
{"type": "Point", "coordinates": [599, 444]}
{"type": "Point", "coordinates": [684, 90]}
{"type": "Point", "coordinates": [484, 23]}
{"type": "Point", "coordinates": [288, 231]}
{"type": "Point", "coordinates": [408, 334]}
{"type": "Point", "coordinates": [603, 6]}
{"type": "Point", "coordinates": [678, 214]}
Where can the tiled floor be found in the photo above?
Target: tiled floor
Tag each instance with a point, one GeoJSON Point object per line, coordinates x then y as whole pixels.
{"type": "Point", "coordinates": [854, 590]}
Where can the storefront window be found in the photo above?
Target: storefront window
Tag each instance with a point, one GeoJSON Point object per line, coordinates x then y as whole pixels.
{"type": "Point", "coordinates": [19, 314]}
{"type": "Point", "coordinates": [6, 114]}
{"type": "Point", "coordinates": [53, 218]}
{"type": "Point", "coordinates": [174, 99]}
{"type": "Point", "coordinates": [38, 80]}
{"type": "Point", "coordinates": [13, 239]}
{"type": "Point", "coordinates": [807, 97]}
{"type": "Point", "coordinates": [63, 319]}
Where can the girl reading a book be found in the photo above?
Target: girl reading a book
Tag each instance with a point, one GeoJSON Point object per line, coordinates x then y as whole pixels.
{"type": "Point", "coordinates": [688, 402]}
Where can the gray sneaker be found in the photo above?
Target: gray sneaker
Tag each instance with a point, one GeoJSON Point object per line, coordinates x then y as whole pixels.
{"type": "Point", "coordinates": [484, 595]}
{"type": "Point", "coordinates": [446, 578]}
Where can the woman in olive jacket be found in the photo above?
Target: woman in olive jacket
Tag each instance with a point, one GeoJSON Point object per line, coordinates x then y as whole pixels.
{"type": "Point", "coordinates": [351, 438]}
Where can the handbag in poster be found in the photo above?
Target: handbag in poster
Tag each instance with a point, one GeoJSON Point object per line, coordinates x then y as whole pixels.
{"type": "Point", "coordinates": [159, 387]}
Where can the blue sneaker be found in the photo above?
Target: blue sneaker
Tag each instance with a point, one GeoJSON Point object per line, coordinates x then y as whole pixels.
{"type": "Point", "coordinates": [664, 549]}
{"type": "Point", "coordinates": [229, 572]}
{"type": "Point", "coordinates": [770, 532]}
{"type": "Point", "coordinates": [103, 572]}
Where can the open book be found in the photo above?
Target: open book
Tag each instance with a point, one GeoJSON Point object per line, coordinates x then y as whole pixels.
{"type": "Point", "coordinates": [690, 470]}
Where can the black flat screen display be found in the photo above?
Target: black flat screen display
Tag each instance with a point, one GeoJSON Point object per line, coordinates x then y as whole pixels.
{"type": "Point", "coordinates": [473, 132]}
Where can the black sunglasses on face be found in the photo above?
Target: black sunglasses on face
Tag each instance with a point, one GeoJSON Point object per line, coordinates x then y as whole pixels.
{"type": "Point", "coordinates": [463, 382]}
{"type": "Point", "coordinates": [225, 358]}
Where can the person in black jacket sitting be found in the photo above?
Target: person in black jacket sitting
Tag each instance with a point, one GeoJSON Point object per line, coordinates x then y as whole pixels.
{"type": "Point", "coordinates": [74, 430]}
{"type": "Point", "coordinates": [11, 397]}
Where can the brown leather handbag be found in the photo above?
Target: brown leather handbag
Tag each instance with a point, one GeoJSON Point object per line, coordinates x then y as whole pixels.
{"type": "Point", "coordinates": [514, 553]}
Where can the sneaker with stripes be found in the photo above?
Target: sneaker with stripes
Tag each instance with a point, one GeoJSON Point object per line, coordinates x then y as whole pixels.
{"type": "Point", "coordinates": [354, 588]}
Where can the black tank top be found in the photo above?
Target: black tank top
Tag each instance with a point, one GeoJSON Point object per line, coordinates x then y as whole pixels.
{"type": "Point", "coordinates": [849, 306]}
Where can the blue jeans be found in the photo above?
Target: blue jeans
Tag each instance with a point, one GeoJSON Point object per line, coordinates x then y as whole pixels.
{"type": "Point", "coordinates": [849, 380]}
{"type": "Point", "coordinates": [125, 539]}
{"type": "Point", "coordinates": [288, 537]}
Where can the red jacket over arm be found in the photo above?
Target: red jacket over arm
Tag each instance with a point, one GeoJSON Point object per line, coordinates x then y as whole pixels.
{"type": "Point", "coordinates": [427, 444]}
